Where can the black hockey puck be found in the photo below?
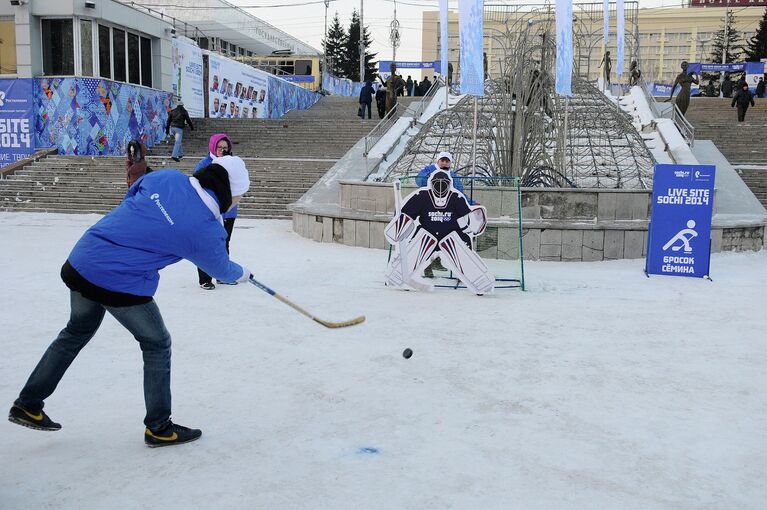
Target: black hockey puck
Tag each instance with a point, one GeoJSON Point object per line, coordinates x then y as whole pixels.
{"type": "Point", "coordinates": [407, 353]}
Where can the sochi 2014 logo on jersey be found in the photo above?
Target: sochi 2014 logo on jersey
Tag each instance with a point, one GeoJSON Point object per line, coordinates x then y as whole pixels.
{"type": "Point", "coordinates": [440, 216]}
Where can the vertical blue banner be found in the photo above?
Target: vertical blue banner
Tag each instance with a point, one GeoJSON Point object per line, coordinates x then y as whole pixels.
{"type": "Point", "coordinates": [471, 25]}
{"type": "Point", "coordinates": [16, 104]}
{"type": "Point", "coordinates": [443, 37]}
{"type": "Point", "coordinates": [564, 12]}
{"type": "Point", "coordinates": [606, 29]}
{"type": "Point", "coordinates": [679, 237]}
{"type": "Point", "coordinates": [620, 29]}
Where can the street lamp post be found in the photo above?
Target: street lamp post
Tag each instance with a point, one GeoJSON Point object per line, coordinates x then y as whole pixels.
{"type": "Point", "coordinates": [362, 41]}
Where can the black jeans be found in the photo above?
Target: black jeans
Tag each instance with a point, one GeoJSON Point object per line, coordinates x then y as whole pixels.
{"type": "Point", "coordinates": [742, 113]}
{"type": "Point", "coordinates": [228, 226]}
{"type": "Point", "coordinates": [366, 105]}
{"type": "Point", "coordinates": [147, 327]}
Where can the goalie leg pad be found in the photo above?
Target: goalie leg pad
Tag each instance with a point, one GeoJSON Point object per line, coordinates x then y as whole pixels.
{"type": "Point", "coordinates": [466, 264]}
{"type": "Point", "coordinates": [413, 255]}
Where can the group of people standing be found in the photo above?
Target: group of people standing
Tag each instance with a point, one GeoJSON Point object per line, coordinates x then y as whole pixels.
{"type": "Point", "coordinates": [386, 92]}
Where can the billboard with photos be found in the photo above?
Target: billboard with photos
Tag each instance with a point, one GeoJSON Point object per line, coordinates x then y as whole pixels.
{"type": "Point", "coordinates": [236, 91]}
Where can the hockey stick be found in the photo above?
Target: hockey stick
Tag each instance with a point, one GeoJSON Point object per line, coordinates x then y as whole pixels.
{"type": "Point", "coordinates": [327, 324]}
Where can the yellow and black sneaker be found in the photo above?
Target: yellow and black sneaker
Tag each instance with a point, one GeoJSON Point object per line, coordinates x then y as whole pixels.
{"type": "Point", "coordinates": [169, 435]}
{"type": "Point", "coordinates": [34, 420]}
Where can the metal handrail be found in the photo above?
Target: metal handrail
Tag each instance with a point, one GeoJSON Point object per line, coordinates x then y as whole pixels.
{"type": "Point", "coordinates": [683, 125]}
{"type": "Point", "coordinates": [426, 99]}
{"type": "Point", "coordinates": [378, 131]}
{"type": "Point", "coordinates": [649, 98]}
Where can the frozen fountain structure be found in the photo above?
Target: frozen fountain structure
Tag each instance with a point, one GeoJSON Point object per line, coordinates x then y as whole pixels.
{"type": "Point", "coordinates": [584, 164]}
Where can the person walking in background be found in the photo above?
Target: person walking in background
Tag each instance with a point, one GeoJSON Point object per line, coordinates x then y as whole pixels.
{"type": "Point", "coordinates": [409, 85]}
{"type": "Point", "coordinates": [743, 98]}
{"type": "Point", "coordinates": [135, 166]}
{"type": "Point", "coordinates": [366, 99]}
{"type": "Point", "coordinates": [760, 88]}
{"type": "Point", "coordinates": [219, 145]}
{"type": "Point", "coordinates": [114, 267]}
{"type": "Point", "coordinates": [177, 119]}
{"type": "Point", "coordinates": [726, 86]}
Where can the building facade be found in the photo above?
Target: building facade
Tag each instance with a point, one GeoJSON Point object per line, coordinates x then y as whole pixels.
{"type": "Point", "coordinates": [660, 39]}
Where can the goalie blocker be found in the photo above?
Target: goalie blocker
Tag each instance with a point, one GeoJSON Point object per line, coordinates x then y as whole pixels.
{"type": "Point", "coordinates": [437, 221]}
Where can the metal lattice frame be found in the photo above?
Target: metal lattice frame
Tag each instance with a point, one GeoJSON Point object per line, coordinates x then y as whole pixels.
{"type": "Point", "coordinates": [521, 121]}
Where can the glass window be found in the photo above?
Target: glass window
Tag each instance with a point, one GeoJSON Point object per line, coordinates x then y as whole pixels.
{"type": "Point", "coordinates": [303, 67]}
{"type": "Point", "coordinates": [105, 60]}
{"type": "Point", "coordinates": [58, 47]}
{"type": "Point", "coordinates": [86, 47]}
{"type": "Point", "coordinates": [146, 62]}
{"type": "Point", "coordinates": [7, 47]}
{"type": "Point", "coordinates": [118, 53]}
{"type": "Point", "coordinates": [134, 73]}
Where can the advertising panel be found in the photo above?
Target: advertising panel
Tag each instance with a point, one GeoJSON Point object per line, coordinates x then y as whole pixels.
{"type": "Point", "coordinates": [16, 103]}
{"type": "Point", "coordinates": [237, 91]}
{"type": "Point", "coordinates": [187, 77]}
{"type": "Point", "coordinates": [679, 238]}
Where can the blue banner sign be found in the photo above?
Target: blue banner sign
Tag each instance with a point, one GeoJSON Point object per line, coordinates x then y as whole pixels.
{"type": "Point", "coordinates": [384, 65]}
{"type": "Point", "coordinates": [297, 79]}
{"type": "Point", "coordinates": [679, 238]}
{"type": "Point", "coordinates": [749, 67]}
{"type": "Point", "coordinates": [16, 102]}
{"type": "Point", "coordinates": [564, 15]}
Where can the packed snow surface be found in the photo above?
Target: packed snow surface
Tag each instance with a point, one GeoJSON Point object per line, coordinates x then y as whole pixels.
{"type": "Point", "coordinates": [595, 388]}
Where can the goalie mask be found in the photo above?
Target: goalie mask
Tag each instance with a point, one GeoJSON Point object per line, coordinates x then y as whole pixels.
{"type": "Point", "coordinates": [440, 183]}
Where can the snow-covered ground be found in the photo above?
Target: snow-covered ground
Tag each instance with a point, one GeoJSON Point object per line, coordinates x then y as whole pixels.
{"type": "Point", "coordinates": [596, 388]}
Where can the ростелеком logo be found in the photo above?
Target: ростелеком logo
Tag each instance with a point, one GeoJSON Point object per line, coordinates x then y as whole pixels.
{"type": "Point", "coordinates": [2, 98]}
{"type": "Point", "coordinates": [154, 196]}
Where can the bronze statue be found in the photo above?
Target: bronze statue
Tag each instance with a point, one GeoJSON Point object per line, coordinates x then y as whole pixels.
{"type": "Point", "coordinates": [393, 84]}
{"type": "Point", "coordinates": [607, 62]}
{"type": "Point", "coordinates": [685, 81]}
{"type": "Point", "coordinates": [634, 73]}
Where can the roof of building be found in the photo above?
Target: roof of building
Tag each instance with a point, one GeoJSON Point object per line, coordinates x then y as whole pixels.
{"type": "Point", "coordinates": [221, 19]}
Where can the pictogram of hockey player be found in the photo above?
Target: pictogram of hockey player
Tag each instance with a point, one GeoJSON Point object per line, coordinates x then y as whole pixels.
{"type": "Point", "coordinates": [685, 235]}
{"type": "Point", "coordinates": [436, 221]}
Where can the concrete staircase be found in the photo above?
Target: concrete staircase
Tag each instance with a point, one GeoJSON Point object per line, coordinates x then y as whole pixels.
{"type": "Point", "coordinates": [742, 143]}
{"type": "Point", "coordinates": [285, 158]}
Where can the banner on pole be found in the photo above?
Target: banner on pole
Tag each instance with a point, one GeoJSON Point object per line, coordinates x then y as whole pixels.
{"type": "Point", "coordinates": [606, 29]}
{"type": "Point", "coordinates": [564, 47]}
{"type": "Point", "coordinates": [443, 37]}
{"type": "Point", "coordinates": [16, 101]}
{"type": "Point", "coordinates": [187, 76]}
{"type": "Point", "coordinates": [679, 237]}
{"type": "Point", "coordinates": [471, 25]}
{"type": "Point", "coordinates": [620, 28]}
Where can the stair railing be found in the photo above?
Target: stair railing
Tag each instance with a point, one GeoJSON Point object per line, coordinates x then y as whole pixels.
{"type": "Point", "coordinates": [426, 99]}
{"type": "Point", "coordinates": [380, 129]}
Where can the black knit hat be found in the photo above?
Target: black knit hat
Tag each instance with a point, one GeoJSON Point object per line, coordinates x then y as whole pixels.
{"type": "Point", "coordinates": [215, 178]}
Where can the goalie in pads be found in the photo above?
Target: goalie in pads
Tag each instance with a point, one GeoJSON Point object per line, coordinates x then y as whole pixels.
{"type": "Point", "coordinates": [436, 221]}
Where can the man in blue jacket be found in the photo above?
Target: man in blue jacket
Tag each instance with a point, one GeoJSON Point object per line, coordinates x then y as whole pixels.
{"type": "Point", "coordinates": [166, 216]}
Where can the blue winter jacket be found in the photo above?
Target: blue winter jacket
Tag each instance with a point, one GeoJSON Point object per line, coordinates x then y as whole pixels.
{"type": "Point", "coordinates": [161, 221]}
{"type": "Point", "coordinates": [207, 160]}
{"type": "Point", "coordinates": [422, 179]}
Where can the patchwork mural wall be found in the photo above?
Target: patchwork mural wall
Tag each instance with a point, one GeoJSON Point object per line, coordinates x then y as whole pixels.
{"type": "Point", "coordinates": [91, 116]}
{"type": "Point", "coordinates": [285, 96]}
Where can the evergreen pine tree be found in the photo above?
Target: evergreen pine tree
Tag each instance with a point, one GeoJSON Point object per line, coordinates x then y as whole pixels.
{"type": "Point", "coordinates": [732, 42]}
{"type": "Point", "coordinates": [757, 46]}
{"type": "Point", "coordinates": [352, 63]}
{"type": "Point", "coordinates": [335, 47]}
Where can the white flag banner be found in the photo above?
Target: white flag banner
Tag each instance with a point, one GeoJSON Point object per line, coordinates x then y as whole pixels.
{"type": "Point", "coordinates": [471, 25]}
{"type": "Point", "coordinates": [443, 37]}
{"type": "Point", "coordinates": [607, 22]}
{"type": "Point", "coordinates": [564, 12]}
{"type": "Point", "coordinates": [620, 29]}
